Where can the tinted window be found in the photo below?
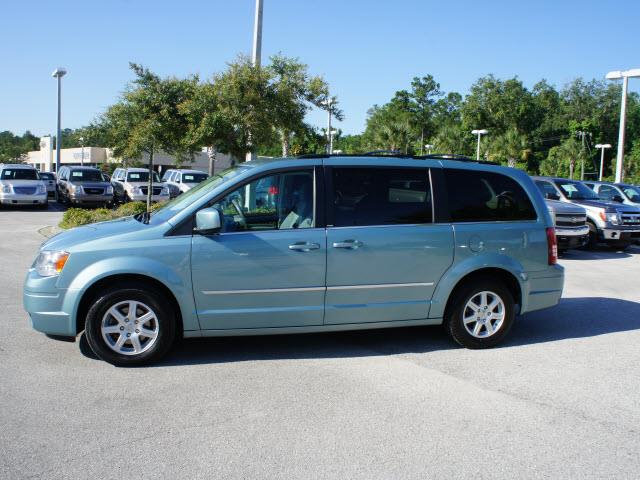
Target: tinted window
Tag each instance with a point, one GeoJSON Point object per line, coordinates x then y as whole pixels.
{"type": "Point", "coordinates": [86, 176]}
{"type": "Point", "coordinates": [576, 190]}
{"type": "Point", "coordinates": [19, 174]}
{"type": "Point", "coordinates": [276, 202]}
{"type": "Point", "coordinates": [194, 177]}
{"type": "Point", "coordinates": [476, 196]}
{"type": "Point", "coordinates": [380, 196]}
{"type": "Point", "coordinates": [141, 177]}
{"type": "Point", "coordinates": [547, 190]}
{"type": "Point", "coordinates": [607, 192]}
{"type": "Point", "coordinates": [632, 193]}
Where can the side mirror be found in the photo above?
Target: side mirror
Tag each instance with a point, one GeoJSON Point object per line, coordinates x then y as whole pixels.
{"type": "Point", "coordinates": [208, 221]}
{"type": "Point", "coordinates": [617, 198]}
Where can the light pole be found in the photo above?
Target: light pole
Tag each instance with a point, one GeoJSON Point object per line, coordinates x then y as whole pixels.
{"type": "Point", "coordinates": [624, 75]}
{"type": "Point", "coordinates": [429, 147]}
{"type": "Point", "coordinates": [328, 102]}
{"type": "Point", "coordinates": [331, 134]}
{"type": "Point", "coordinates": [59, 73]}
{"type": "Point", "coordinates": [602, 147]}
{"type": "Point", "coordinates": [479, 133]}
{"type": "Point", "coordinates": [256, 54]}
{"type": "Point", "coordinates": [82, 155]}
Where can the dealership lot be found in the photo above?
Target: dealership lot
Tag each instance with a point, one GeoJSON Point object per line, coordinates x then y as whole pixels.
{"type": "Point", "coordinates": [561, 398]}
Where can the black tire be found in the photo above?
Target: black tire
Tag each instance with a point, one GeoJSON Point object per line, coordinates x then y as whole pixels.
{"type": "Point", "coordinates": [593, 237]}
{"type": "Point", "coordinates": [454, 314]}
{"type": "Point", "coordinates": [164, 314]}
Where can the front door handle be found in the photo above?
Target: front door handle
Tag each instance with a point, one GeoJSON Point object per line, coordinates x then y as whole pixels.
{"type": "Point", "coordinates": [350, 244]}
{"type": "Point", "coordinates": [304, 246]}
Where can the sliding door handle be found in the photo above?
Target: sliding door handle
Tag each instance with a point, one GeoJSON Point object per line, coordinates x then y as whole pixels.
{"type": "Point", "coordinates": [349, 244]}
{"type": "Point", "coordinates": [304, 246]}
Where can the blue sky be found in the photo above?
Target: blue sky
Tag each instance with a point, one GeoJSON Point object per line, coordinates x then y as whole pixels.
{"type": "Point", "coordinates": [365, 49]}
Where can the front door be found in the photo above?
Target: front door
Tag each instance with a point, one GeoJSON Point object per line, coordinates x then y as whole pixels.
{"type": "Point", "coordinates": [384, 254]}
{"type": "Point", "coordinates": [267, 267]}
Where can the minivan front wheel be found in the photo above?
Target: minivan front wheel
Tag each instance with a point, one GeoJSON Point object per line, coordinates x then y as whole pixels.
{"type": "Point", "coordinates": [130, 326]}
{"type": "Point", "coordinates": [480, 314]}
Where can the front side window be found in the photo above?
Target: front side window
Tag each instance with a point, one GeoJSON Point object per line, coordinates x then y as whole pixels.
{"type": "Point", "coordinates": [607, 192]}
{"type": "Point", "coordinates": [380, 196]}
{"type": "Point", "coordinates": [478, 196]}
{"type": "Point", "coordinates": [547, 190]}
{"type": "Point", "coordinates": [194, 177]}
{"type": "Point", "coordinates": [275, 202]}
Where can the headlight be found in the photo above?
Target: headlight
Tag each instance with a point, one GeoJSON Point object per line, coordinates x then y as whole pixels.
{"type": "Point", "coordinates": [50, 263]}
{"type": "Point", "coordinates": [6, 188]}
{"type": "Point", "coordinates": [76, 189]}
{"type": "Point", "coordinates": [109, 190]}
{"type": "Point", "coordinates": [136, 191]}
{"type": "Point", "coordinates": [41, 189]}
{"type": "Point", "coordinates": [164, 191]}
{"type": "Point", "coordinates": [610, 217]}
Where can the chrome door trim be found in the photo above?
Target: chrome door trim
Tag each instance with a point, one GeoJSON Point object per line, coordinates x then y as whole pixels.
{"type": "Point", "coordinates": [317, 289]}
{"type": "Point", "coordinates": [263, 290]}
{"type": "Point", "coordinates": [381, 285]}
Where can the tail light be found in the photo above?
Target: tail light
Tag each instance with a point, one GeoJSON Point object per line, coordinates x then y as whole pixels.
{"type": "Point", "coordinates": [552, 246]}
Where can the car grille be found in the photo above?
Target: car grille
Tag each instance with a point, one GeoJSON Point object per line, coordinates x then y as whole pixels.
{"type": "Point", "coordinates": [94, 191]}
{"type": "Point", "coordinates": [156, 190]}
{"type": "Point", "coordinates": [569, 220]}
{"type": "Point", "coordinates": [629, 218]}
{"type": "Point", "coordinates": [25, 190]}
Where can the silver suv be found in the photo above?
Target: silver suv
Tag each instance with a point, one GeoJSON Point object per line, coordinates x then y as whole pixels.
{"type": "Point", "coordinates": [611, 223]}
{"type": "Point", "coordinates": [21, 185]}
{"type": "Point", "coordinates": [132, 184]}
{"type": "Point", "coordinates": [570, 221]}
{"type": "Point", "coordinates": [616, 192]}
{"type": "Point", "coordinates": [83, 186]}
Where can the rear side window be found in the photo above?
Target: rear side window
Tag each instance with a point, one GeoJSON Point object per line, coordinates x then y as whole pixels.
{"type": "Point", "coordinates": [380, 196]}
{"type": "Point", "coordinates": [477, 196]}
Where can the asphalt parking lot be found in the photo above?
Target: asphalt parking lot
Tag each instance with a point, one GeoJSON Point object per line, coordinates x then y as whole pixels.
{"type": "Point", "coordinates": [560, 400]}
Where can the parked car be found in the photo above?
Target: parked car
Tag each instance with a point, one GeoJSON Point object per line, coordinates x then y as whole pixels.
{"type": "Point", "coordinates": [132, 184]}
{"type": "Point", "coordinates": [180, 181]}
{"type": "Point", "coordinates": [340, 243]}
{"type": "Point", "coordinates": [49, 178]}
{"type": "Point", "coordinates": [21, 185]}
{"type": "Point", "coordinates": [570, 222]}
{"type": "Point", "coordinates": [609, 222]}
{"type": "Point", "coordinates": [84, 186]}
{"type": "Point", "coordinates": [616, 192]}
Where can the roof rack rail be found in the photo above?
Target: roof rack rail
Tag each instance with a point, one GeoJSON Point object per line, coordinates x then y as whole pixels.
{"type": "Point", "coordinates": [395, 153]}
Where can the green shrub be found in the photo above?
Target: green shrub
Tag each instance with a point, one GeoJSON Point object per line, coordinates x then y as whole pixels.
{"type": "Point", "coordinates": [74, 217]}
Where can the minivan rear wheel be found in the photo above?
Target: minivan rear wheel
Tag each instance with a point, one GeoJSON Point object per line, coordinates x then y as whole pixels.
{"type": "Point", "coordinates": [130, 326]}
{"type": "Point", "coordinates": [481, 313]}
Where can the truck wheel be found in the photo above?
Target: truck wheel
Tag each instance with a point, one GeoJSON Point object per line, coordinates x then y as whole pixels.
{"type": "Point", "coordinates": [593, 237]}
{"type": "Point", "coordinates": [130, 325]}
{"type": "Point", "coordinates": [480, 314]}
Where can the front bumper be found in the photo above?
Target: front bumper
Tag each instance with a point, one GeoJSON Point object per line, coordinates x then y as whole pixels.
{"type": "Point", "coordinates": [89, 199]}
{"type": "Point", "coordinates": [621, 233]}
{"type": "Point", "coordinates": [20, 199]}
{"type": "Point", "coordinates": [49, 307]}
{"type": "Point", "coordinates": [141, 197]}
{"type": "Point", "coordinates": [572, 237]}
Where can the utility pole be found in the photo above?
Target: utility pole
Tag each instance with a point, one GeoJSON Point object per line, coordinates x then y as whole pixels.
{"type": "Point", "coordinates": [256, 53]}
{"type": "Point", "coordinates": [582, 135]}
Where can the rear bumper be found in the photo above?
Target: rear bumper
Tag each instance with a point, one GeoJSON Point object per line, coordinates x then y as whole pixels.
{"type": "Point", "coordinates": [543, 289]}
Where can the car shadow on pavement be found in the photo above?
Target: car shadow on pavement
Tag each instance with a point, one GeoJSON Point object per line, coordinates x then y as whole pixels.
{"type": "Point", "coordinates": [572, 318]}
{"type": "Point", "coordinates": [601, 253]}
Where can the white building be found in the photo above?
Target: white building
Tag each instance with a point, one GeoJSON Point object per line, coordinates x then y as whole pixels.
{"type": "Point", "coordinates": [45, 158]}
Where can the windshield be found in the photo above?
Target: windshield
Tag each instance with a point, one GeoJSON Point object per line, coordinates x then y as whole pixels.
{"type": "Point", "coordinates": [631, 192]}
{"type": "Point", "coordinates": [86, 176]}
{"type": "Point", "coordinates": [141, 177]}
{"type": "Point", "coordinates": [576, 191]}
{"type": "Point", "coordinates": [20, 174]}
{"type": "Point", "coordinates": [47, 176]}
{"type": "Point", "coordinates": [194, 177]}
{"type": "Point", "coordinates": [199, 191]}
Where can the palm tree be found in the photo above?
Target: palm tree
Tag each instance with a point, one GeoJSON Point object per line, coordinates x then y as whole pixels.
{"type": "Point", "coordinates": [451, 140]}
{"type": "Point", "coordinates": [510, 147]}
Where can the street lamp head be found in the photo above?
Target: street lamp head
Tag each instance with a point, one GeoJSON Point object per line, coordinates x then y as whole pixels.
{"type": "Point", "coordinates": [618, 74]}
{"type": "Point", "coordinates": [59, 72]}
{"type": "Point", "coordinates": [615, 75]}
{"type": "Point", "coordinates": [634, 72]}
{"type": "Point", "coordinates": [603, 145]}
{"type": "Point", "coordinates": [480, 132]}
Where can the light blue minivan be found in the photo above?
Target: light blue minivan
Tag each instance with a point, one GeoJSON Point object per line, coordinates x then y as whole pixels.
{"type": "Point", "coordinates": [308, 244]}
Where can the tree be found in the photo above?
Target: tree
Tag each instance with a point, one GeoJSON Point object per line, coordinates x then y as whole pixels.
{"type": "Point", "coordinates": [452, 140]}
{"type": "Point", "coordinates": [510, 148]}
{"type": "Point", "coordinates": [562, 159]}
{"type": "Point", "coordinates": [149, 118]}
